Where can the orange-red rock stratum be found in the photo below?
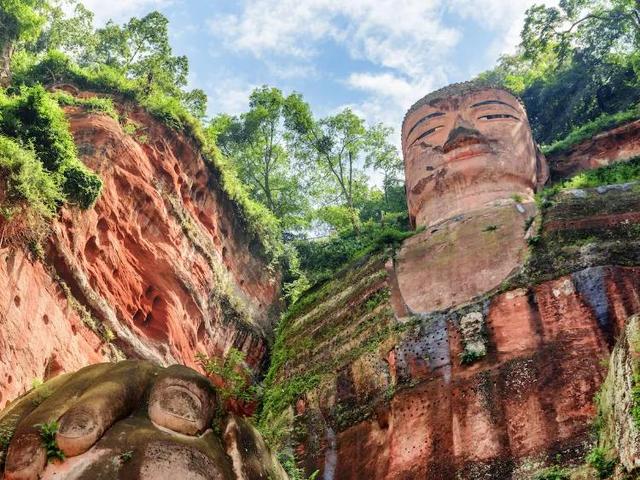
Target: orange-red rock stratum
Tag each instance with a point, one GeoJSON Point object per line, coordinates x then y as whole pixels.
{"type": "Point", "coordinates": [617, 144]}
{"type": "Point", "coordinates": [161, 268]}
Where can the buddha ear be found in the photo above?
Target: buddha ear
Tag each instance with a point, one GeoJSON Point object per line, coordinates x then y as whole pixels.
{"type": "Point", "coordinates": [542, 169]}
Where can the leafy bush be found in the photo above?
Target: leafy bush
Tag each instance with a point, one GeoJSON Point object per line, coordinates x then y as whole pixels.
{"type": "Point", "coordinates": [294, 279]}
{"type": "Point", "coordinates": [620, 172]}
{"type": "Point", "coordinates": [319, 259]}
{"type": "Point", "coordinates": [635, 400]}
{"type": "Point", "coordinates": [288, 462]}
{"type": "Point", "coordinates": [467, 357]}
{"type": "Point", "coordinates": [599, 460]}
{"type": "Point", "coordinates": [35, 119]}
{"type": "Point", "coordinates": [56, 67]}
{"type": "Point", "coordinates": [25, 183]}
{"type": "Point", "coordinates": [92, 104]}
{"type": "Point", "coordinates": [81, 186]}
{"type": "Point", "coordinates": [616, 173]}
{"type": "Point", "coordinates": [232, 372]}
{"type": "Point", "coordinates": [48, 436]}
{"type": "Point", "coordinates": [280, 396]}
{"type": "Point", "coordinates": [173, 114]}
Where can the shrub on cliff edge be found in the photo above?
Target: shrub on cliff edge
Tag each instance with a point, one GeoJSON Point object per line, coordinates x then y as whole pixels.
{"type": "Point", "coordinates": [29, 195]}
{"type": "Point", "coordinates": [36, 121]}
{"type": "Point", "coordinates": [591, 129]}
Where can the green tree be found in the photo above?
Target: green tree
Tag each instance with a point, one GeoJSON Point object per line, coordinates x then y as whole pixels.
{"type": "Point", "coordinates": [141, 50]}
{"type": "Point", "coordinates": [576, 62]}
{"type": "Point", "coordinates": [257, 142]}
{"type": "Point", "coordinates": [337, 146]}
{"type": "Point", "coordinates": [384, 157]}
{"type": "Point", "coordinates": [74, 34]}
{"type": "Point", "coordinates": [196, 102]}
{"type": "Point", "coordinates": [20, 21]}
{"type": "Point", "coordinates": [591, 25]}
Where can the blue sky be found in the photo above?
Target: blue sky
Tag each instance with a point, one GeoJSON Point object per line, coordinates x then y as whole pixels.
{"type": "Point", "coordinates": [376, 56]}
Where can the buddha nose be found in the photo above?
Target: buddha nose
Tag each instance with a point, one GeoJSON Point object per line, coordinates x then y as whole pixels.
{"type": "Point", "coordinates": [461, 134]}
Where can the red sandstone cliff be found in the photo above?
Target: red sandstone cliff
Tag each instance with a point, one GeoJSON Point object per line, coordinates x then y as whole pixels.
{"type": "Point", "coordinates": [496, 388]}
{"type": "Point", "coordinates": [161, 268]}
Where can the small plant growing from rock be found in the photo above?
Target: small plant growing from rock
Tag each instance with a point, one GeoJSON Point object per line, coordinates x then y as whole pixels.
{"type": "Point", "coordinates": [468, 357]}
{"type": "Point", "coordinates": [490, 228]}
{"type": "Point", "coordinates": [288, 462]}
{"type": "Point", "coordinates": [473, 338]}
{"type": "Point", "coordinates": [552, 473]}
{"type": "Point", "coordinates": [599, 460]}
{"type": "Point", "coordinates": [232, 373]}
{"type": "Point", "coordinates": [5, 437]}
{"type": "Point", "coordinates": [48, 436]}
{"type": "Point", "coordinates": [36, 382]}
{"type": "Point", "coordinates": [107, 334]}
{"type": "Point", "coordinates": [126, 456]}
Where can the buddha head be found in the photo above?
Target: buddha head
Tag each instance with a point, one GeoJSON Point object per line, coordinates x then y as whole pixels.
{"type": "Point", "coordinates": [465, 146]}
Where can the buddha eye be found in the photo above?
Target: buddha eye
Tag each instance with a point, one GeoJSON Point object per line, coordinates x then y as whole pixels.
{"type": "Point", "coordinates": [496, 116]}
{"type": "Point", "coordinates": [427, 133]}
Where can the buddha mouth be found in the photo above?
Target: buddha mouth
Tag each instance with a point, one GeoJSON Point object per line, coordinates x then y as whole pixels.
{"type": "Point", "coordinates": [468, 151]}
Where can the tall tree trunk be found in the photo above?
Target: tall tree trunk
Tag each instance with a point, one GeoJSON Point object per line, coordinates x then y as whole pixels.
{"type": "Point", "coordinates": [5, 63]}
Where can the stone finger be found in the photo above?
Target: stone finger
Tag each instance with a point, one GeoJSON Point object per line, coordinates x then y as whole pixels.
{"type": "Point", "coordinates": [182, 400]}
{"type": "Point", "coordinates": [114, 396]}
{"type": "Point", "coordinates": [27, 455]}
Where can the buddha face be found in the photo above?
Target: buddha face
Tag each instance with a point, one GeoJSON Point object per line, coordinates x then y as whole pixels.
{"type": "Point", "coordinates": [464, 152]}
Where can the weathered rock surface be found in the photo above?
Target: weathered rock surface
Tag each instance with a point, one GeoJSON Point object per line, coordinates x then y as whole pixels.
{"type": "Point", "coordinates": [488, 388]}
{"type": "Point", "coordinates": [164, 262]}
{"type": "Point", "coordinates": [463, 257]}
{"type": "Point", "coordinates": [619, 431]}
{"type": "Point", "coordinates": [605, 148]}
{"type": "Point", "coordinates": [41, 333]}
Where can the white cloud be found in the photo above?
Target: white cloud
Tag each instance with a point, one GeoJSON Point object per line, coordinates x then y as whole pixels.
{"type": "Point", "coordinates": [286, 70]}
{"type": "Point", "coordinates": [121, 10]}
{"type": "Point", "coordinates": [228, 95]}
{"type": "Point", "coordinates": [405, 35]}
{"type": "Point", "coordinates": [389, 95]}
{"type": "Point", "coordinates": [504, 18]}
{"type": "Point", "coordinates": [275, 26]}
{"type": "Point", "coordinates": [409, 44]}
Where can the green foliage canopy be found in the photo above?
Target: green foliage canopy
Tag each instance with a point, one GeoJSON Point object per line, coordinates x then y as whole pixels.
{"type": "Point", "coordinates": [577, 62]}
{"type": "Point", "coordinates": [35, 119]}
{"type": "Point", "coordinates": [256, 140]}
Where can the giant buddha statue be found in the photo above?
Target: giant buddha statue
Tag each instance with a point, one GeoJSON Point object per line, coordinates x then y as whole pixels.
{"type": "Point", "coordinates": [471, 172]}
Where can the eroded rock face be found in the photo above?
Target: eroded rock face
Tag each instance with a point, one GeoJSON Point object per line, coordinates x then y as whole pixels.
{"type": "Point", "coordinates": [620, 431]}
{"type": "Point", "coordinates": [164, 261]}
{"type": "Point", "coordinates": [41, 333]}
